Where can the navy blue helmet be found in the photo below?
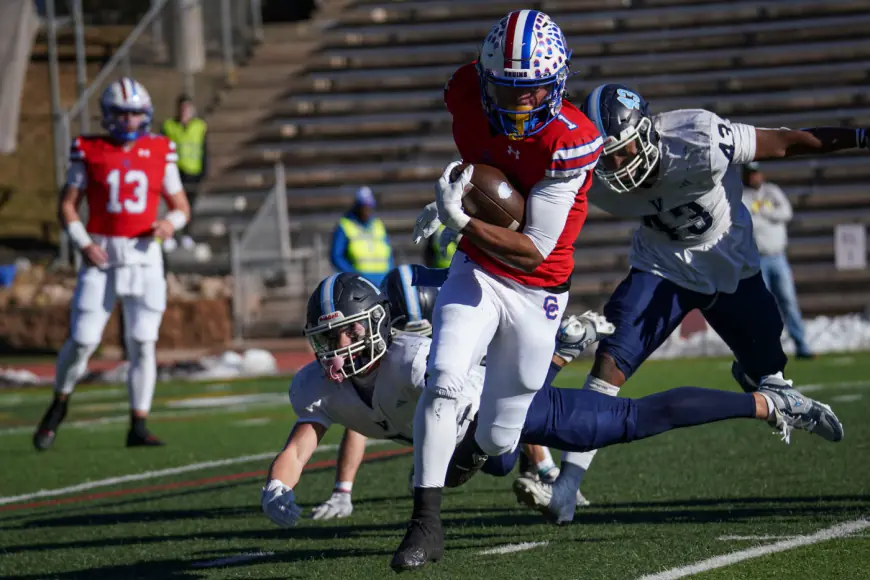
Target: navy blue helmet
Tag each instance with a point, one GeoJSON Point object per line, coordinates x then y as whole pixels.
{"type": "Point", "coordinates": [347, 325]}
{"type": "Point", "coordinates": [411, 305]}
{"type": "Point", "coordinates": [631, 143]}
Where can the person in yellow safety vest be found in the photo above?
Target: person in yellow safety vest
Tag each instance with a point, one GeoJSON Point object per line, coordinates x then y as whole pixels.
{"type": "Point", "coordinates": [188, 132]}
{"type": "Point", "coordinates": [433, 256]}
{"type": "Point", "coordinates": [360, 243]}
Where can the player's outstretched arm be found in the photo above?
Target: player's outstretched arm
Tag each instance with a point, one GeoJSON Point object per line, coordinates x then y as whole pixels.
{"type": "Point", "coordinates": [350, 457]}
{"type": "Point", "coordinates": [778, 143]}
{"type": "Point", "coordinates": [278, 500]}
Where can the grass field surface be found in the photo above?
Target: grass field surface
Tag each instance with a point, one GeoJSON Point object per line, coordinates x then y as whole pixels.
{"type": "Point", "coordinates": [728, 500]}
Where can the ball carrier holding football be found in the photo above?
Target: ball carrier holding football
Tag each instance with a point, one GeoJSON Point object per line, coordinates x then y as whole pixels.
{"type": "Point", "coordinates": [507, 288]}
{"type": "Point", "coordinates": [122, 175]}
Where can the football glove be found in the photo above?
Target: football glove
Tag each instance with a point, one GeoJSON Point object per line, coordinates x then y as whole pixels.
{"type": "Point", "coordinates": [338, 505]}
{"type": "Point", "coordinates": [279, 504]}
{"type": "Point", "coordinates": [427, 223]}
{"type": "Point", "coordinates": [448, 197]}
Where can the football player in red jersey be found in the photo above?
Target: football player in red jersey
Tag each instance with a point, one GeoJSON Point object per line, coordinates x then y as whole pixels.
{"type": "Point", "coordinates": [506, 290]}
{"type": "Point", "coordinates": [123, 176]}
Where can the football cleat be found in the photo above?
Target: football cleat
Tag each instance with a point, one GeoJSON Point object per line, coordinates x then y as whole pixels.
{"type": "Point", "coordinates": [536, 492]}
{"type": "Point", "coordinates": [792, 410]}
{"type": "Point", "coordinates": [423, 543]}
{"type": "Point", "coordinates": [47, 431]}
{"type": "Point", "coordinates": [556, 504]}
{"type": "Point", "coordinates": [142, 439]}
{"type": "Point", "coordinates": [577, 333]}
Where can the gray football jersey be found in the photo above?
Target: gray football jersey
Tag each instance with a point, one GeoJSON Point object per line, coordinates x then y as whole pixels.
{"type": "Point", "coordinates": [694, 230]}
{"type": "Point", "coordinates": [398, 385]}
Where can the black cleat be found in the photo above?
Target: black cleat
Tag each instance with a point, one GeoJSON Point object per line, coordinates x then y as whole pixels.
{"type": "Point", "coordinates": [142, 439]}
{"type": "Point", "coordinates": [423, 543]}
{"type": "Point", "coordinates": [468, 458]}
{"type": "Point", "coordinates": [47, 431]}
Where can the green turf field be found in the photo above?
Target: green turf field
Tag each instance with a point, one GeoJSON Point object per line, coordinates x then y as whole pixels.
{"type": "Point", "coordinates": [660, 504]}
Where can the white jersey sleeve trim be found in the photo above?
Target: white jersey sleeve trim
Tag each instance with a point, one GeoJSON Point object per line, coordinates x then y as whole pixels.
{"type": "Point", "coordinates": [547, 210]}
{"type": "Point", "coordinates": [77, 175]}
{"type": "Point", "coordinates": [744, 143]}
{"type": "Point", "coordinates": [171, 180]}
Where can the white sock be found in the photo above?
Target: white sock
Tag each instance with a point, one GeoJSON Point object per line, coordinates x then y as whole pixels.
{"type": "Point", "coordinates": [600, 385]}
{"type": "Point", "coordinates": [72, 364]}
{"type": "Point", "coordinates": [435, 432]}
{"type": "Point", "coordinates": [770, 406]}
{"type": "Point", "coordinates": [547, 463]}
{"type": "Point", "coordinates": [142, 375]}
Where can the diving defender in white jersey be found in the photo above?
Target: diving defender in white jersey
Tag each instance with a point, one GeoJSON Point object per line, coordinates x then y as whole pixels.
{"type": "Point", "coordinates": [676, 173]}
{"type": "Point", "coordinates": [368, 380]}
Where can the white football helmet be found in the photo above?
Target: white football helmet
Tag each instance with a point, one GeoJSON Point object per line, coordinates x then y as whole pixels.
{"type": "Point", "coordinates": [126, 95]}
{"type": "Point", "coordinates": [524, 50]}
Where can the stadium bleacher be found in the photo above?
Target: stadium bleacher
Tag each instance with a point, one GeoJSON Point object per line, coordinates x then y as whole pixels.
{"type": "Point", "coordinates": [356, 99]}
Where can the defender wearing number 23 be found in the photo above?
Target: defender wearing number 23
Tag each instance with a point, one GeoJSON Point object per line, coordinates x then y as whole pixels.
{"type": "Point", "coordinates": [676, 173]}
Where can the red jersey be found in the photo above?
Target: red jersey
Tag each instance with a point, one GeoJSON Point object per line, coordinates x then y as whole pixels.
{"type": "Point", "coordinates": [565, 148]}
{"type": "Point", "coordinates": [123, 186]}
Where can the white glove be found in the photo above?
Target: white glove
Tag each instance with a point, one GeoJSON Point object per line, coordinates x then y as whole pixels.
{"type": "Point", "coordinates": [279, 504]}
{"type": "Point", "coordinates": [427, 223]}
{"type": "Point", "coordinates": [577, 333]}
{"type": "Point", "coordinates": [338, 505]}
{"type": "Point", "coordinates": [446, 238]}
{"type": "Point", "coordinates": [448, 197]}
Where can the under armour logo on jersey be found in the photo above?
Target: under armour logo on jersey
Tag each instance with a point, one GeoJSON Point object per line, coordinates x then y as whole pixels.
{"type": "Point", "coordinates": [144, 152]}
{"type": "Point", "coordinates": [514, 152]}
{"type": "Point", "coordinates": [629, 99]}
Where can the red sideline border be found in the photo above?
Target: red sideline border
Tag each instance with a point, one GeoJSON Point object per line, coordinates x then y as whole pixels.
{"type": "Point", "coordinates": [191, 483]}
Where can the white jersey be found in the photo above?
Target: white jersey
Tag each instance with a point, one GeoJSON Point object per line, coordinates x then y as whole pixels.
{"type": "Point", "coordinates": [397, 387]}
{"type": "Point", "coordinates": [695, 230]}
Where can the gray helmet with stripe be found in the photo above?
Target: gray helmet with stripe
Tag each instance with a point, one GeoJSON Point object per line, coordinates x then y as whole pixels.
{"type": "Point", "coordinates": [348, 325]}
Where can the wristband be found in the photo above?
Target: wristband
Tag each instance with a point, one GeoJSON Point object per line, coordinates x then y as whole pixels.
{"type": "Point", "coordinates": [78, 234]}
{"type": "Point", "coordinates": [177, 218]}
{"type": "Point", "coordinates": [343, 486]}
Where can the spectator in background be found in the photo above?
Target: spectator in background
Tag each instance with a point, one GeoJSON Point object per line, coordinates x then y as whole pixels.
{"type": "Point", "coordinates": [434, 256]}
{"type": "Point", "coordinates": [188, 132]}
{"type": "Point", "coordinates": [771, 212]}
{"type": "Point", "coordinates": [360, 243]}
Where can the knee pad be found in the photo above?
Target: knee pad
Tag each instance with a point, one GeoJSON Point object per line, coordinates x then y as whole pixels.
{"type": "Point", "coordinates": [496, 440]}
{"type": "Point", "coordinates": [141, 350]}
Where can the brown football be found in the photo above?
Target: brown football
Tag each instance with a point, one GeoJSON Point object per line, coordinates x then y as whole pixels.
{"type": "Point", "coordinates": [491, 198]}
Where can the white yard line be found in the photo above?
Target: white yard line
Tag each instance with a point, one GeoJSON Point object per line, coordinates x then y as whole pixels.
{"type": "Point", "coordinates": [88, 485]}
{"type": "Point", "coordinates": [232, 560]}
{"type": "Point", "coordinates": [839, 385]}
{"type": "Point", "coordinates": [753, 538]}
{"type": "Point", "coordinates": [838, 531]}
{"type": "Point", "coordinates": [511, 548]}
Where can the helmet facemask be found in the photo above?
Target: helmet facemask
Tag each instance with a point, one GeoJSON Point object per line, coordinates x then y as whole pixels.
{"type": "Point", "coordinates": [520, 121]}
{"type": "Point", "coordinates": [348, 346]}
{"type": "Point", "coordinates": [632, 173]}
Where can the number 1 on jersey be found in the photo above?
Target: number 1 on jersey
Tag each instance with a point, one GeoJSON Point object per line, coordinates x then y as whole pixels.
{"type": "Point", "coordinates": [140, 191]}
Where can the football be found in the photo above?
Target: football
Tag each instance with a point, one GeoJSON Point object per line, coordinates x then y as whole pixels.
{"type": "Point", "coordinates": [491, 198]}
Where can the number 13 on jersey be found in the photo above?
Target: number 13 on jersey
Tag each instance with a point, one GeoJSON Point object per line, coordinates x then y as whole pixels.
{"type": "Point", "coordinates": [138, 202]}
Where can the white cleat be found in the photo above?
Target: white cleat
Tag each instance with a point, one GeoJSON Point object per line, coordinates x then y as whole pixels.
{"type": "Point", "coordinates": [536, 491]}
{"type": "Point", "coordinates": [577, 333]}
{"type": "Point", "coordinates": [792, 410]}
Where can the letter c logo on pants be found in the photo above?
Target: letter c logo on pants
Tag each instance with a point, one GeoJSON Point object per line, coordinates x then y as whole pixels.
{"type": "Point", "coordinates": [551, 307]}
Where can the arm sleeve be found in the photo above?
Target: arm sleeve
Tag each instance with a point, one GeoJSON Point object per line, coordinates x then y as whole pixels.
{"type": "Point", "coordinates": [171, 179]}
{"type": "Point", "coordinates": [731, 143]}
{"type": "Point", "coordinates": [547, 210]}
{"type": "Point", "coordinates": [77, 175]}
{"type": "Point", "coordinates": [339, 251]}
{"type": "Point", "coordinates": [744, 143]}
{"type": "Point", "coordinates": [780, 210]}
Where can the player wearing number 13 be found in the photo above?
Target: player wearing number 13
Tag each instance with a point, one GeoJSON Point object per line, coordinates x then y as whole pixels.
{"type": "Point", "coordinates": [122, 175]}
{"type": "Point", "coordinates": [675, 172]}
